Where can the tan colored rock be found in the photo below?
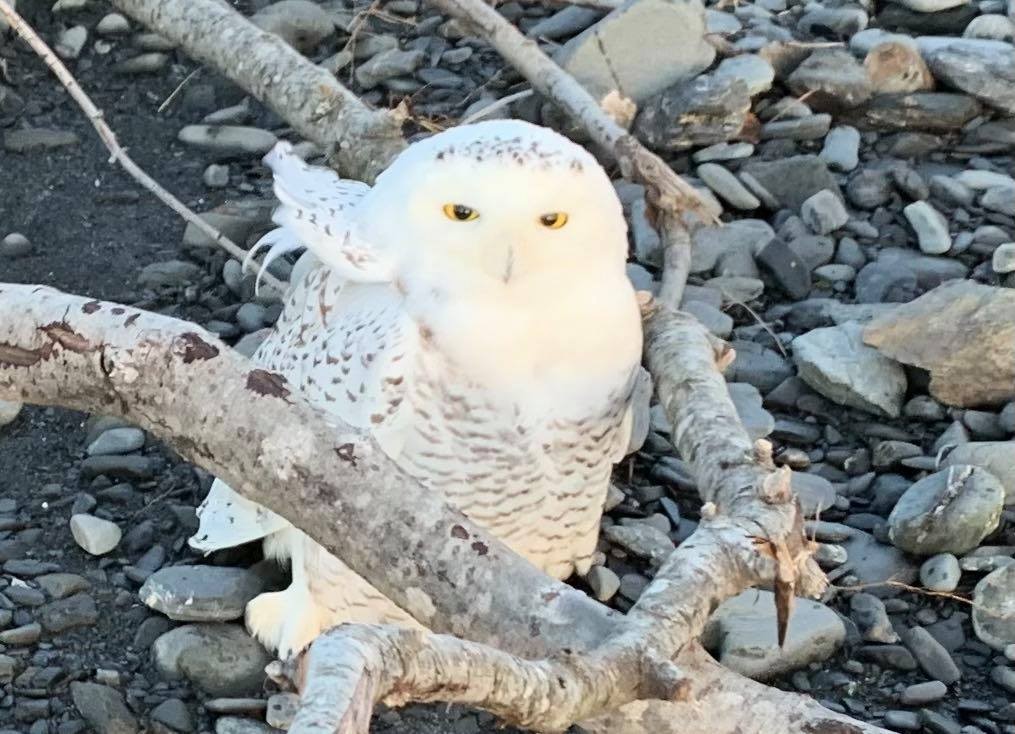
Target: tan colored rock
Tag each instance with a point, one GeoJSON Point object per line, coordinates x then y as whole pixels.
{"type": "Point", "coordinates": [897, 67]}
{"type": "Point", "coordinates": [963, 333]}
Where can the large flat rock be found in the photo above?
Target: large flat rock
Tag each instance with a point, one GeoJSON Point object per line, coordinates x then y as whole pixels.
{"type": "Point", "coordinates": [963, 333]}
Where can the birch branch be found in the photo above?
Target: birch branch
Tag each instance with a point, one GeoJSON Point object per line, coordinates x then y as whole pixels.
{"type": "Point", "coordinates": [350, 668]}
{"type": "Point", "coordinates": [118, 154]}
{"type": "Point", "coordinates": [361, 141]}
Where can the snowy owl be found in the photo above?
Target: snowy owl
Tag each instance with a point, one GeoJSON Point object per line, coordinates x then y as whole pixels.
{"type": "Point", "coordinates": [472, 312]}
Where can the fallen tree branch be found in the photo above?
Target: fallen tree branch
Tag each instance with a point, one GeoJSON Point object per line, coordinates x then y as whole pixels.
{"type": "Point", "coordinates": [361, 141]}
{"type": "Point", "coordinates": [349, 669]}
{"type": "Point", "coordinates": [190, 390]}
{"type": "Point", "coordinates": [117, 153]}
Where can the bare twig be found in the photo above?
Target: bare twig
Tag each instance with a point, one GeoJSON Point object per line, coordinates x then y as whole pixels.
{"type": "Point", "coordinates": [495, 106]}
{"type": "Point", "coordinates": [118, 154]}
{"type": "Point", "coordinates": [760, 322]}
{"type": "Point", "coordinates": [992, 611]}
{"type": "Point", "coordinates": [176, 92]}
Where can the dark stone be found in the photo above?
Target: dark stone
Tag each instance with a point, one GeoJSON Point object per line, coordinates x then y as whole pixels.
{"type": "Point", "coordinates": [75, 611]}
{"type": "Point", "coordinates": [793, 180]}
{"type": "Point", "coordinates": [129, 467]}
{"type": "Point", "coordinates": [888, 488]}
{"type": "Point", "coordinates": [881, 282]}
{"type": "Point", "coordinates": [28, 139]}
{"type": "Point", "coordinates": [939, 723]}
{"type": "Point", "coordinates": [932, 657]}
{"type": "Point", "coordinates": [948, 632]}
{"type": "Point", "coordinates": [988, 76]}
{"type": "Point", "coordinates": [888, 656]}
{"type": "Point", "coordinates": [950, 22]}
{"type": "Point", "coordinates": [786, 267]}
{"type": "Point", "coordinates": [833, 80]}
{"type": "Point", "coordinates": [149, 631]}
{"type": "Point", "coordinates": [694, 112]}
{"type": "Point", "coordinates": [174, 714]}
{"type": "Point", "coordinates": [103, 708]}
{"type": "Point", "coordinates": [929, 111]}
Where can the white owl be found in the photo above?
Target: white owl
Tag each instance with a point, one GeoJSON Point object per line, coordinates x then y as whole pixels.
{"type": "Point", "coordinates": [473, 313]}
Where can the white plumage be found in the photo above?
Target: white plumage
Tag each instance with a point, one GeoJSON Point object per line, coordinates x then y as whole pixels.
{"type": "Point", "coordinates": [472, 312]}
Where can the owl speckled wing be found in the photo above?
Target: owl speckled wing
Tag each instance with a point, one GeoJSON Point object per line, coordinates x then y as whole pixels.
{"type": "Point", "coordinates": [340, 339]}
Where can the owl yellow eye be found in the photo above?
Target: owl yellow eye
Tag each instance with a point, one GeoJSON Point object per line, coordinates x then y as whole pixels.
{"type": "Point", "coordinates": [460, 212]}
{"type": "Point", "coordinates": [553, 220]}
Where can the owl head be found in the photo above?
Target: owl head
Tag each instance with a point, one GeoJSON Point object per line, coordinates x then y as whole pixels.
{"type": "Point", "coordinates": [499, 203]}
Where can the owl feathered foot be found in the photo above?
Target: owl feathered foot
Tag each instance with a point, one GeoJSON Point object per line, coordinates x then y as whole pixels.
{"type": "Point", "coordinates": [284, 621]}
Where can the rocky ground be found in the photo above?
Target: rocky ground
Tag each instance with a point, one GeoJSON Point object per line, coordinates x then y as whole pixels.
{"type": "Point", "coordinates": [864, 156]}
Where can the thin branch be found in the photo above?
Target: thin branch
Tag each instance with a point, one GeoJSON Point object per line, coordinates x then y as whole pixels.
{"type": "Point", "coordinates": [496, 106]}
{"type": "Point", "coordinates": [176, 92]}
{"type": "Point", "coordinates": [94, 115]}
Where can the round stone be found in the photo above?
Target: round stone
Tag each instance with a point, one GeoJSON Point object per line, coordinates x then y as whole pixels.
{"type": "Point", "coordinates": [216, 176]}
{"type": "Point", "coordinates": [941, 573]}
{"type": "Point", "coordinates": [93, 534]}
{"type": "Point", "coordinates": [15, 245]}
{"type": "Point", "coordinates": [994, 608]}
{"type": "Point", "coordinates": [950, 511]}
{"type": "Point", "coordinates": [112, 24]}
{"type": "Point", "coordinates": [1003, 260]}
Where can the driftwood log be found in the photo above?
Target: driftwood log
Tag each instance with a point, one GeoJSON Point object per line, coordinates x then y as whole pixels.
{"type": "Point", "coordinates": [504, 636]}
